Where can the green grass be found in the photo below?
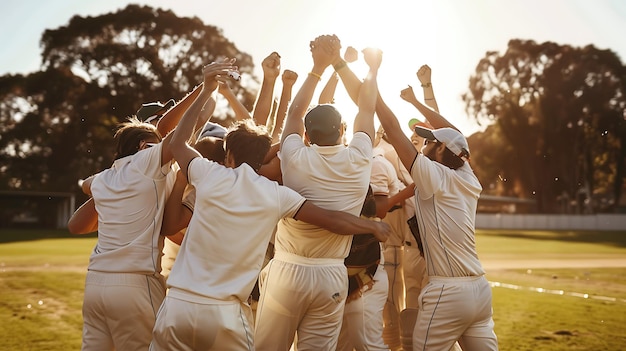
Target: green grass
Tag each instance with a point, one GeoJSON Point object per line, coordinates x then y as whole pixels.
{"type": "Point", "coordinates": [50, 267]}
{"type": "Point", "coordinates": [526, 320]}
{"type": "Point", "coordinates": [41, 310]}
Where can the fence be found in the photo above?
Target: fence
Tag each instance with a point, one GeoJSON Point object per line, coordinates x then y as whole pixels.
{"type": "Point", "coordinates": [551, 222]}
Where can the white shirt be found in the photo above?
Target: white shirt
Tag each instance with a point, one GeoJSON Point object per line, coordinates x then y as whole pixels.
{"type": "Point", "coordinates": [234, 215]}
{"type": "Point", "coordinates": [384, 181]}
{"type": "Point", "coordinates": [331, 177]}
{"type": "Point", "coordinates": [446, 211]}
{"type": "Point", "coordinates": [129, 198]}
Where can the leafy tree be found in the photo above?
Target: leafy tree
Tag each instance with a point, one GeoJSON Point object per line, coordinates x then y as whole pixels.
{"type": "Point", "coordinates": [56, 125]}
{"type": "Point", "coordinates": [560, 113]}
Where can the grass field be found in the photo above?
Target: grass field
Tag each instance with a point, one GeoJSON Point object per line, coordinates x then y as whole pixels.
{"type": "Point", "coordinates": [42, 277]}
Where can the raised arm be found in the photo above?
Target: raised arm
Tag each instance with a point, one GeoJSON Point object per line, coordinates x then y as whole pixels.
{"type": "Point", "coordinates": [289, 79]}
{"type": "Point", "coordinates": [323, 50]}
{"type": "Point", "coordinates": [171, 118]}
{"type": "Point", "coordinates": [364, 120]}
{"type": "Point", "coordinates": [435, 119]}
{"type": "Point", "coordinates": [342, 223]}
{"type": "Point", "coordinates": [263, 105]}
{"type": "Point", "coordinates": [327, 96]}
{"type": "Point", "coordinates": [424, 74]}
{"type": "Point", "coordinates": [350, 81]}
{"type": "Point", "coordinates": [403, 146]}
{"type": "Point", "coordinates": [238, 108]}
{"type": "Point", "coordinates": [183, 153]}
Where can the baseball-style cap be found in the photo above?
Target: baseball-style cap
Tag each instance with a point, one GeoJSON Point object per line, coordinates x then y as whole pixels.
{"type": "Point", "coordinates": [416, 122]}
{"type": "Point", "coordinates": [150, 111]}
{"type": "Point", "coordinates": [323, 121]}
{"type": "Point", "coordinates": [454, 140]}
{"type": "Point", "coordinates": [213, 130]}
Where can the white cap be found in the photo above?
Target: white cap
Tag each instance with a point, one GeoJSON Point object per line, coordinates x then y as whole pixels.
{"type": "Point", "coordinates": [454, 140]}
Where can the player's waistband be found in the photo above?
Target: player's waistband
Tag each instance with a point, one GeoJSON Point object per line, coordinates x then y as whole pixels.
{"type": "Point", "coordinates": [132, 279]}
{"type": "Point", "coordinates": [455, 279]}
{"type": "Point", "coordinates": [308, 261]}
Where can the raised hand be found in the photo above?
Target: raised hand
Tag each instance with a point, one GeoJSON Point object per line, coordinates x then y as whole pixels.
{"type": "Point", "coordinates": [289, 77]}
{"type": "Point", "coordinates": [373, 57]}
{"type": "Point", "coordinates": [423, 74]}
{"type": "Point", "coordinates": [325, 50]}
{"type": "Point", "coordinates": [271, 65]}
{"type": "Point", "coordinates": [223, 87]}
{"type": "Point", "coordinates": [351, 54]}
{"type": "Point", "coordinates": [407, 94]}
{"type": "Point", "coordinates": [214, 69]}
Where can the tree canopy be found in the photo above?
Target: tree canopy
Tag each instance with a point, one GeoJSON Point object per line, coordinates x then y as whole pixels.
{"type": "Point", "coordinates": [56, 125]}
{"type": "Point", "coordinates": [559, 131]}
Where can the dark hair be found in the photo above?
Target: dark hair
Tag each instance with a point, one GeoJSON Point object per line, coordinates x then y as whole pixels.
{"type": "Point", "coordinates": [248, 143]}
{"type": "Point", "coordinates": [449, 159]}
{"type": "Point", "coordinates": [130, 133]}
{"type": "Point", "coordinates": [211, 148]}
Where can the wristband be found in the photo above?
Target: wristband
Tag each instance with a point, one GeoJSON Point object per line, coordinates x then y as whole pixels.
{"type": "Point", "coordinates": [315, 75]}
{"type": "Point", "coordinates": [427, 85]}
{"type": "Point", "coordinates": [340, 65]}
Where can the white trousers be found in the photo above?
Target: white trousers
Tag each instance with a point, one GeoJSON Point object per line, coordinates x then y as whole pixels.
{"type": "Point", "coordinates": [187, 326]}
{"type": "Point", "coordinates": [362, 327]}
{"type": "Point", "coordinates": [307, 297]}
{"type": "Point", "coordinates": [452, 309]}
{"type": "Point", "coordinates": [119, 310]}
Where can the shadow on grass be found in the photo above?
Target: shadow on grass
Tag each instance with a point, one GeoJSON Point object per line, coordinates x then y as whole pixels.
{"type": "Point", "coordinates": [15, 235]}
{"type": "Point", "coordinates": [612, 238]}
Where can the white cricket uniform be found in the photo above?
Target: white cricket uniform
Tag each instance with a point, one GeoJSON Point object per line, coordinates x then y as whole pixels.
{"type": "Point", "coordinates": [123, 288]}
{"type": "Point", "coordinates": [363, 318]}
{"type": "Point", "coordinates": [220, 258]}
{"type": "Point", "coordinates": [413, 271]}
{"type": "Point", "coordinates": [305, 285]}
{"type": "Point", "coordinates": [456, 302]}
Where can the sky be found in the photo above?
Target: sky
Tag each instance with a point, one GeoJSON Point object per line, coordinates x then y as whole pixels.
{"type": "Point", "coordinates": [451, 36]}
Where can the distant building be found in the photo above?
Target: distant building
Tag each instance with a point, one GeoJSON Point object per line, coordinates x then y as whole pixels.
{"type": "Point", "coordinates": [35, 209]}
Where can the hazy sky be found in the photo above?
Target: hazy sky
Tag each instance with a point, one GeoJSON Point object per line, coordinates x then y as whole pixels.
{"type": "Point", "coordinates": [451, 36]}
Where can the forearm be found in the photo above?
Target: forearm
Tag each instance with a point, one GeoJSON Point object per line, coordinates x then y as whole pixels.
{"type": "Point", "coordinates": [350, 81]}
{"type": "Point", "coordinates": [327, 96]}
{"type": "Point", "coordinates": [429, 96]}
{"type": "Point", "coordinates": [300, 104]}
{"type": "Point", "coordinates": [402, 195]}
{"type": "Point", "coordinates": [343, 223]}
{"type": "Point", "coordinates": [178, 143]}
{"type": "Point", "coordinates": [368, 93]}
{"type": "Point", "coordinates": [172, 117]}
{"type": "Point", "coordinates": [203, 117]}
{"type": "Point", "coordinates": [434, 118]}
{"type": "Point", "coordinates": [403, 146]}
{"type": "Point", "coordinates": [285, 98]}
{"type": "Point", "coordinates": [240, 111]}
{"type": "Point", "coordinates": [263, 104]}
{"type": "Point", "coordinates": [85, 219]}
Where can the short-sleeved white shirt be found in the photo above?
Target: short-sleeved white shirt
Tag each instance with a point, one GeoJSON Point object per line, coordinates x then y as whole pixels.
{"type": "Point", "coordinates": [331, 177]}
{"type": "Point", "coordinates": [446, 212]}
{"type": "Point", "coordinates": [384, 181]}
{"type": "Point", "coordinates": [129, 198]}
{"type": "Point", "coordinates": [233, 219]}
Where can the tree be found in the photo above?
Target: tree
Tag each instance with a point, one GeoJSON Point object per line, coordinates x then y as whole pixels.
{"type": "Point", "coordinates": [56, 125]}
{"type": "Point", "coordinates": [560, 112]}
